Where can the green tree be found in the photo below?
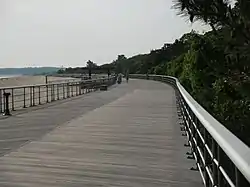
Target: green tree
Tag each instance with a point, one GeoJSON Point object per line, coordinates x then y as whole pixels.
{"type": "Point", "coordinates": [90, 64]}
{"type": "Point", "coordinates": [220, 61]}
{"type": "Point", "coordinates": [120, 64]}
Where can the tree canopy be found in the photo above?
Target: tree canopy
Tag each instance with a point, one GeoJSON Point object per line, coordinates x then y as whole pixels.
{"type": "Point", "coordinates": [90, 64]}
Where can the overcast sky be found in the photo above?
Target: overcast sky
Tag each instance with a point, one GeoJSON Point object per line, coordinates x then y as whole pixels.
{"type": "Point", "coordinates": [70, 32]}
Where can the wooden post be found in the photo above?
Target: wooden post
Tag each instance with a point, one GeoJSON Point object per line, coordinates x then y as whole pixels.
{"type": "Point", "coordinates": [46, 79]}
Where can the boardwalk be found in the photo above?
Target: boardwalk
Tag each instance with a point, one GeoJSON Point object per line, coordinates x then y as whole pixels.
{"type": "Point", "coordinates": [128, 136]}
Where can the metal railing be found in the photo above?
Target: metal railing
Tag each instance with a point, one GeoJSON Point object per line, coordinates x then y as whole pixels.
{"type": "Point", "coordinates": [64, 81]}
{"type": "Point", "coordinates": [32, 95]}
{"type": "Point", "coordinates": [74, 78]}
{"type": "Point", "coordinates": [221, 158]}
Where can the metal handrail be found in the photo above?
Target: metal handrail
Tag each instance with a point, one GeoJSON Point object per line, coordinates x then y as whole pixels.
{"type": "Point", "coordinates": [37, 94]}
{"type": "Point", "coordinates": [55, 82]}
{"type": "Point", "coordinates": [213, 146]}
{"type": "Point", "coordinates": [64, 80]}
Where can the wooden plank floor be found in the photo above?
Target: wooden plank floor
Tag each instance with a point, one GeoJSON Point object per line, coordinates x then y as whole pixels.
{"type": "Point", "coordinates": [132, 139]}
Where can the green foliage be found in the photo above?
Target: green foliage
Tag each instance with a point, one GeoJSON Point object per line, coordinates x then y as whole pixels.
{"type": "Point", "coordinates": [216, 68]}
{"type": "Point", "coordinates": [90, 64]}
{"type": "Point", "coordinates": [120, 64]}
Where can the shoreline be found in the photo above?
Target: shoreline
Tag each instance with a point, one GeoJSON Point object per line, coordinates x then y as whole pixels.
{"type": "Point", "coordinates": [28, 80]}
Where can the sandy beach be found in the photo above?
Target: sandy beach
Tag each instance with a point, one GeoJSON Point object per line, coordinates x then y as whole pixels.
{"type": "Point", "coordinates": [28, 80]}
{"type": "Point", "coordinates": [31, 97]}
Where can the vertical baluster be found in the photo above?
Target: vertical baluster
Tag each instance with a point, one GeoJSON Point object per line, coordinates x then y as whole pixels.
{"type": "Point", "coordinates": [47, 93]}
{"type": "Point", "coordinates": [220, 179]}
{"type": "Point", "coordinates": [75, 85]}
{"type": "Point", "coordinates": [54, 93]}
{"type": "Point", "coordinates": [75, 89]}
{"type": "Point", "coordinates": [30, 96]}
{"type": "Point", "coordinates": [57, 87]}
{"type": "Point", "coordinates": [51, 92]}
{"type": "Point", "coordinates": [237, 177]}
{"type": "Point", "coordinates": [68, 91]}
{"type": "Point", "coordinates": [185, 114]}
{"type": "Point", "coordinates": [1, 101]}
{"type": "Point", "coordinates": [192, 128]}
{"type": "Point", "coordinates": [205, 157]}
{"type": "Point", "coordinates": [4, 103]}
{"type": "Point", "coordinates": [195, 133]}
{"type": "Point", "coordinates": [33, 90]}
{"type": "Point", "coordinates": [80, 90]}
{"type": "Point", "coordinates": [12, 99]}
{"type": "Point", "coordinates": [215, 168]}
{"type": "Point", "coordinates": [24, 97]}
{"type": "Point", "coordinates": [63, 91]}
{"type": "Point", "coordinates": [39, 95]}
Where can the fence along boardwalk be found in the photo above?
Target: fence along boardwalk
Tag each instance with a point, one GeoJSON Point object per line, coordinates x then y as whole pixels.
{"type": "Point", "coordinates": [32, 95]}
{"type": "Point", "coordinates": [135, 140]}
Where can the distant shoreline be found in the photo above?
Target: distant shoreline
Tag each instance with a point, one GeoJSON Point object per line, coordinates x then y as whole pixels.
{"type": "Point", "coordinates": [20, 80]}
{"type": "Point", "coordinates": [9, 76]}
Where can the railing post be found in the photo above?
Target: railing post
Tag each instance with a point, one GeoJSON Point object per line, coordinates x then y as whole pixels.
{"type": "Point", "coordinates": [237, 177]}
{"type": "Point", "coordinates": [205, 157]}
{"type": "Point", "coordinates": [187, 125]}
{"type": "Point", "coordinates": [190, 131]}
{"type": "Point", "coordinates": [76, 89]}
{"type": "Point", "coordinates": [57, 90]}
{"type": "Point", "coordinates": [193, 135]}
{"type": "Point", "coordinates": [54, 94]}
{"type": "Point", "coordinates": [30, 96]}
{"type": "Point", "coordinates": [68, 91]}
{"type": "Point", "coordinates": [74, 85]}
{"type": "Point", "coordinates": [39, 95]}
{"type": "Point", "coordinates": [215, 168]}
{"type": "Point", "coordinates": [4, 101]}
{"type": "Point", "coordinates": [72, 89]}
{"type": "Point", "coordinates": [7, 110]}
{"type": "Point", "coordinates": [24, 98]}
{"type": "Point", "coordinates": [80, 90]}
{"type": "Point", "coordinates": [196, 121]}
{"type": "Point", "coordinates": [63, 91]}
{"type": "Point", "coordinates": [12, 99]}
{"type": "Point", "coordinates": [33, 89]}
{"type": "Point", "coordinates": [1, 101]}
{"type": "Point", "coordinates": [51, 93]}
{"type": "Point", "coordinates": [220, 179]}
{"type": "Point", "coordinates": [47, 93]}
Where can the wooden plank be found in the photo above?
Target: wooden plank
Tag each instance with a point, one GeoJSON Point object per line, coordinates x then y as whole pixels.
{"type": "Point", "coordinates": [132, 141]}
{"type": "Point", "coordinates": [32, 123]}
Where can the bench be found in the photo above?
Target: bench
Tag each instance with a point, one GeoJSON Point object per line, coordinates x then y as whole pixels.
{"type": "Point", "coordinates": [104, 87]}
